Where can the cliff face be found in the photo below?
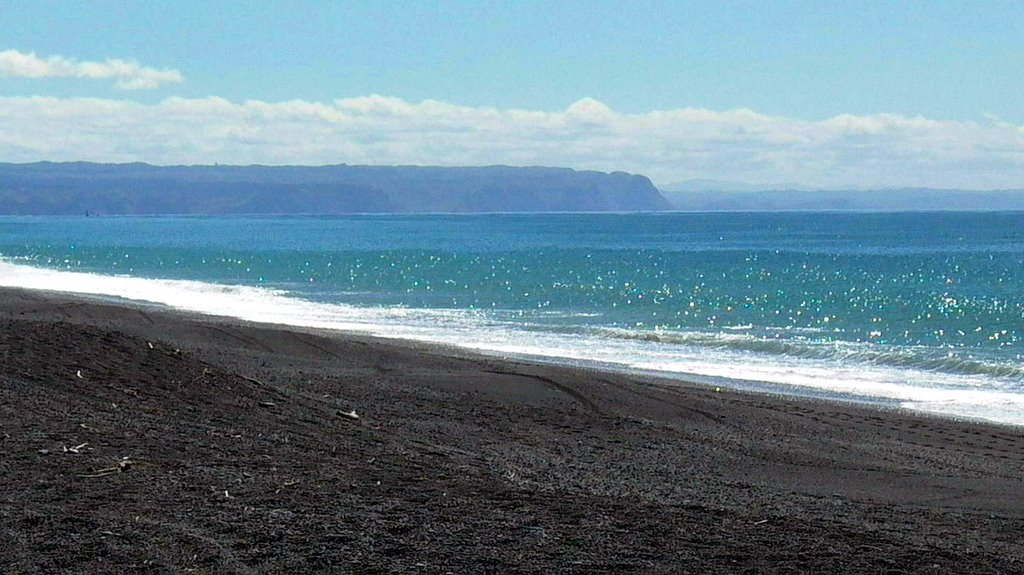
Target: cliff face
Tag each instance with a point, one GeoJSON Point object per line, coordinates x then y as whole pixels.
{"type": "Point", "coordinates": [77, 187]}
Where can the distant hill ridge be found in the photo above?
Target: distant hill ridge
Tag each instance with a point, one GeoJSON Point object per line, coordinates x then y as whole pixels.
{"type": "Point", "coordinates": [902, 199]}
{"type": "Point", "coordinates": [73, 188]}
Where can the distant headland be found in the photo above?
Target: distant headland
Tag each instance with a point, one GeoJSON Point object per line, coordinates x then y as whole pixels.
{"type": "Point", "coordinates": [79, 188]}
{"type": "Point", "coordinates": [76, 188]}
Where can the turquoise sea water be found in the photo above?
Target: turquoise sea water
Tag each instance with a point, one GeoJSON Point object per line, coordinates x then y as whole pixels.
{"type": "Point", "coordinates": [924, 310]}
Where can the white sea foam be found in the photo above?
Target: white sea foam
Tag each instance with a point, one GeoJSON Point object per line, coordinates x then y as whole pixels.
{"type": "Point", "coordinates": [728, 356]}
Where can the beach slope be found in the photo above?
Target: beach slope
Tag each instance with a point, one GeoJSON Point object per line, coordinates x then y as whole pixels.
{"type": "Point", "coordinates": [136, 439]}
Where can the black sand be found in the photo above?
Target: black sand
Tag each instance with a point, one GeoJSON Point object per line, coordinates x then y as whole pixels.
{"type": "Point", "coordinates": [201, 445]}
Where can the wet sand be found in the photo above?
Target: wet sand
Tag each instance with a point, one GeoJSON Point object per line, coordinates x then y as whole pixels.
{"type": "Point", "coordinates": [140, 440]}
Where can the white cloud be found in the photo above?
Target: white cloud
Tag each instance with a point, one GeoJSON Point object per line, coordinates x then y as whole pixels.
{"type": "Point", "coordinates": [667, 145]}
{"type": "Point", "coordinates": [128, 75]}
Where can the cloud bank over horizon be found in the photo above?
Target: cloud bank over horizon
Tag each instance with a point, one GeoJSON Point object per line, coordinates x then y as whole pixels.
{"type": "Point", "coordinates": [129, 75]}
{"type": "Point", "coordinates": [861, 151]}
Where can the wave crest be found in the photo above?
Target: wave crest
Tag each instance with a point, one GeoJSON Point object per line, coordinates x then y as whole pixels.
{"type": "Point", "coordinates": [843, 352]}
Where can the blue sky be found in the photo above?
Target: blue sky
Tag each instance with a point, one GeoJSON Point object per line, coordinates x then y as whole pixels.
{"type": "Point", "coordinates": [880, 67]}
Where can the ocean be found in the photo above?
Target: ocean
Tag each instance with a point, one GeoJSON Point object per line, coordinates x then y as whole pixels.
{"type": "Point", "coordinates": [919, 310]}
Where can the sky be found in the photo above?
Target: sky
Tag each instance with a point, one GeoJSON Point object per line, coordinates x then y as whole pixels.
{"type": "Point", "coordinates": [820, 94]}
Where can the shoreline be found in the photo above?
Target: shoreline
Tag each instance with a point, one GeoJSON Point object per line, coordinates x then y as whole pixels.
{"type": "Point", "coordinates": [775, 390]}
{"type": "Point", "coordinates": [242, 459]}
{"type": "Point", "coordinates": [371, 332]}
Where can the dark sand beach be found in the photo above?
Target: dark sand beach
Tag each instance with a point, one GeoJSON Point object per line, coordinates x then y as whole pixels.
{"type": "Point", "coordinates": [138, 440]}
